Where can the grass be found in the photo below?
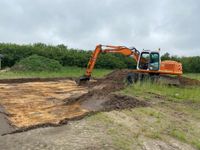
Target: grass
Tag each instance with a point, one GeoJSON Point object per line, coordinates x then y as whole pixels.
{"type": "Point", "coordinates": [157, 122]}
{"type": "Point", "coordinates": [193, 75]}
{"type": "Point", "coordinates": [65, 72]}
{"type": "Point", "coordinates": [177, 94]}
{"type": "Point", "coordinates": [120, 140]}
{"type": "Point", "coordinates": [178, 134]}
{"type": "Point", "coordinates": [177, 117]}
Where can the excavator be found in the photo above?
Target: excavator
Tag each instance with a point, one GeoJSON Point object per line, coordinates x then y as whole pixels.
{"type": "Point", "coordinates": [149, 64]}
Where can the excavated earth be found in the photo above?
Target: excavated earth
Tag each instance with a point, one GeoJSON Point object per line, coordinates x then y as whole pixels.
{"type": "Point", "coordinates": [31, 103]}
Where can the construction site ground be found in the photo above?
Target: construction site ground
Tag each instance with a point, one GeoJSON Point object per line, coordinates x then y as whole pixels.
{"type": "Point", "coordinates": [56, 113]}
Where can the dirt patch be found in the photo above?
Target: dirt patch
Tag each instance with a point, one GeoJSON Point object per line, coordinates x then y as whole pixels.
{"type": "Point", "coordinates": [24, 80]}
{"type": "Point", "coordinates": [114, 81]}
{"type": "Point", "coordinates": [37, 103]}
{"type": "Point", "coordinates": [118, 102]}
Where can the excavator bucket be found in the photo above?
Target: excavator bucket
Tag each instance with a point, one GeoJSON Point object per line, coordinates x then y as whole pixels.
{"type": "Point", "coordinates": [82, 80]}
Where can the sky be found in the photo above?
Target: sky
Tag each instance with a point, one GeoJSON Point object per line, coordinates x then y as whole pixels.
{"type": "Point", "coordinates": [172, 25]}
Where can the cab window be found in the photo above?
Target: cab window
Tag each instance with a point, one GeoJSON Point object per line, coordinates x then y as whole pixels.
{"type": "Point", "coordinates": [144, 61]}
{"type": "Point", "coordinates": [154, 61]}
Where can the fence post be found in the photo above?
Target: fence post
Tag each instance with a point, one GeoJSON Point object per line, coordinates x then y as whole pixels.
{"type": "Point", "coordinates": [1, 56]}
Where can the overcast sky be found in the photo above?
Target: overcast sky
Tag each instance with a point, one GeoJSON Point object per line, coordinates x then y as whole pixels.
{"type": "Point", "coordinates": [172, 25]}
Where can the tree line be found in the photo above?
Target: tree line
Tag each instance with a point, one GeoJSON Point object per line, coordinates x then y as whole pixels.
{"type": "Point", "coordinates": [13, 53]}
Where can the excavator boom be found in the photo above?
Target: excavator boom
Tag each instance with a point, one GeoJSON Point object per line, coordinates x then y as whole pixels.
{"type": "Point", "coordinates": [107, 49]}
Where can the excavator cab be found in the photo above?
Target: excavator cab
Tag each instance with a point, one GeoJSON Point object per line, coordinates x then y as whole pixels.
{"type": "Point", "coordinates": [149, 60]}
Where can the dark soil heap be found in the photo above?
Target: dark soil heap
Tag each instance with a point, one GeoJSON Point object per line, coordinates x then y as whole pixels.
{"type": "Point", "coordinates": [101, 96]}
{"type": "Point", "coordinates": [187, 81]}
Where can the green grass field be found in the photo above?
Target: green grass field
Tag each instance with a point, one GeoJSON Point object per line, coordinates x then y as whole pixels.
{"type": "Point", "coordinates": [173, 93]}
{"type": "Point", "coordinates": [65, 72]}
{"type": "Point", "coordinates": [174, 109]}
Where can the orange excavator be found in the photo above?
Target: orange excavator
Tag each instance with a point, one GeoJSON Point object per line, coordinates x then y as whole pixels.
{"type": "Point", "coordinates": [148, 62]}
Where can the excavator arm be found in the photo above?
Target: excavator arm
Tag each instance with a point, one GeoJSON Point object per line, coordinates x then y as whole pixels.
{"type": "Point", "coordinates": [133, 52]}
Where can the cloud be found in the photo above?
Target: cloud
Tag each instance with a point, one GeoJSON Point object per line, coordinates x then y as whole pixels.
{"type": "Point", "coordinates": [172, 25]}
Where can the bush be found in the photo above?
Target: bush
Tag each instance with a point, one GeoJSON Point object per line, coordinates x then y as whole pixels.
{"type": "Point", "coordinates": [37, 63]}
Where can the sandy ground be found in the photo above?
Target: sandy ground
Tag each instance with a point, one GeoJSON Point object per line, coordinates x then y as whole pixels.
{"type": "Point", "coordinates": [36, 103]}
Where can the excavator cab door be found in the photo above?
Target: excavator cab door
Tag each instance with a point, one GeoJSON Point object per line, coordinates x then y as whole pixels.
{"type": "Point", "coordinates": [154, 63]}
{"type": "Point", "coordinates": [149, 61]}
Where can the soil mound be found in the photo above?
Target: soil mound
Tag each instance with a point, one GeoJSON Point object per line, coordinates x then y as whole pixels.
{"type": "Point", "coordinates": [118, 102]}
{"type": "Point", "coordinates": [114, 81]}
{"type": "Point", "coordinates": [188, 81]}
{"type": "Point", "coordinates": [101, 98]}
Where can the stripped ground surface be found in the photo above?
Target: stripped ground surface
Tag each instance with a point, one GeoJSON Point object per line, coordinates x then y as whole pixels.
{"type": "Point", "coordinates": [34, 103]}
{"type": "Point", "coordinates": [126, 123]}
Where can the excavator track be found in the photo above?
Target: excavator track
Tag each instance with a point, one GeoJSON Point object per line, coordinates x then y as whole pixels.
{"type": "Point", "coordinates": [156, 78]}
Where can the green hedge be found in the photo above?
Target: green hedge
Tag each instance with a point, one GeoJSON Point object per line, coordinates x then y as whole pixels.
{"type": "Point", "coordinates": [67, 57]}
